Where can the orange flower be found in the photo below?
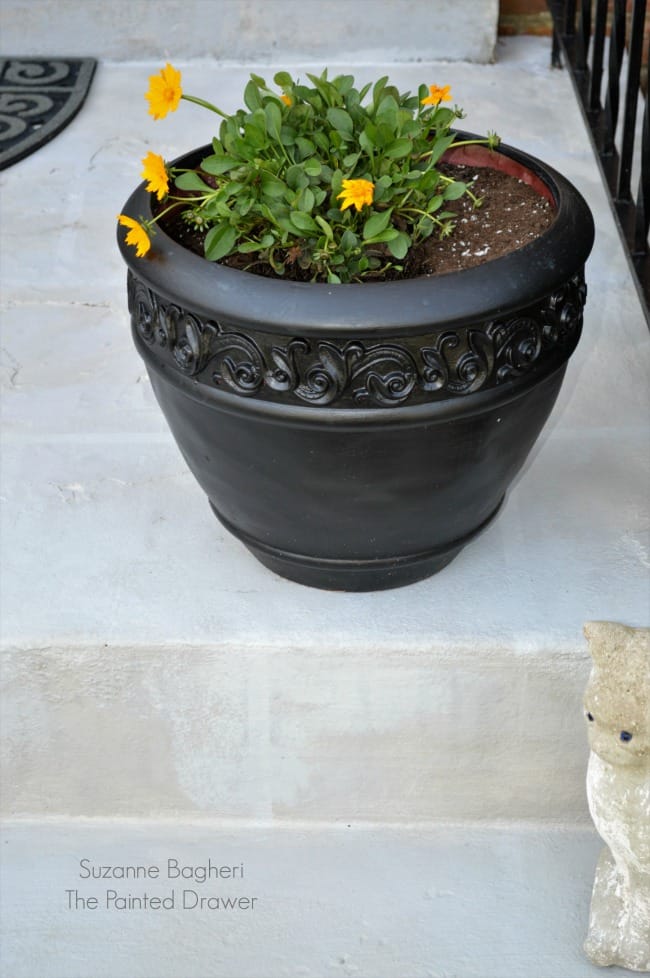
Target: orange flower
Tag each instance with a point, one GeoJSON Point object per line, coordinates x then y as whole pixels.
{"type": "Point", "coordinates": [155, 172]}
{"type": "Point", "coordinates": [164, 92]}
{"type": "Point", "coordinates": [437, 95]}
{"type": "Point", "coordinates": [286, 99]}
{"type": "Point", "coordinates": [356, 193]}
{"type": "Point", "coordinates": [137, 236]}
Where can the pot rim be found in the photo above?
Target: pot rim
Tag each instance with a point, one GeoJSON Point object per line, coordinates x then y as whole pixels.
{"type": "Point", "coordinates": [406, 306]}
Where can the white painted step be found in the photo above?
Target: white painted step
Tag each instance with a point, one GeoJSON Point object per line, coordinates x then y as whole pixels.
{"type": "Point", "coordinates": [152, 670]}
{"type": "Point", "coordinates": [330, 901]}
{"type": "Point", "coordinates": [152, 666]}
{"type": "Point", "coordinates": [277, 32]}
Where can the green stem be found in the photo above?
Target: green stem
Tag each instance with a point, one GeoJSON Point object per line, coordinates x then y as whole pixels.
{"type": "Point", "coordinates": [206, 105]}
{"type": "Point", "coordinates": [154, 220]}
{"type": "Point", "coordinates": [463, 142]}
{"type": "Point", "coordinates": [470, 142]}
{"type": "Point", "coordinates": [416, 210]}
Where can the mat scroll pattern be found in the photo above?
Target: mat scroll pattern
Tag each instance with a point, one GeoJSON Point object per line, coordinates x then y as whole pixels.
{"type": "Point", "coordinates": [38, 98]}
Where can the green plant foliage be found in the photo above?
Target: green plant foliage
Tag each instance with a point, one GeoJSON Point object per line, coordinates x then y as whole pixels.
{"type": "Point", "coordinates": [340, 181]}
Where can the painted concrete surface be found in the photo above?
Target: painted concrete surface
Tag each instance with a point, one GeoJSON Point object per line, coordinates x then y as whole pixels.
{"type": "Point", "coordinates": [242, 31]}
{"type": "Point", "coordinates": [351, 900]}
{"type": "Point", "coordinates": [385, 736]}
{"type": "Point", "coordinates": [152, 668]}
{"type": "Point", "coordinates": [151, 665]}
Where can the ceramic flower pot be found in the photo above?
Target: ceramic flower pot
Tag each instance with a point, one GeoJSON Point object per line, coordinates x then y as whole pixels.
{"type": "Point", "coordinates": [356, 437]}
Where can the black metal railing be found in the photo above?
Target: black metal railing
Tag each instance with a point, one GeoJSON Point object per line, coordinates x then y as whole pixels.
{"type": "Point", "coordinates": [579, 41]}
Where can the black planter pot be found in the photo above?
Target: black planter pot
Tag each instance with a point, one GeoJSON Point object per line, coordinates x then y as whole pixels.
{"type": "Point", "coordinates": [356, 437]}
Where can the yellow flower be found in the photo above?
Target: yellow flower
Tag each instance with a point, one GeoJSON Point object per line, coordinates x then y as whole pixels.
{"type": "Point", "coordinates": [155, 172]}
{"type": "Point", "coordinates": [286, 99]}
{"type": "Point", "coordinates": [437, 95]}
{"type": "Point", "coordinates": [164, 92]}
{"type": "Point", "coordinates": [137, 236]}
{"type": "Point", "coordinates": [357, 193]}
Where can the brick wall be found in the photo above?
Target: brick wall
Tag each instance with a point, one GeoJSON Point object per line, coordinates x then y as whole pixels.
{"type": "Point", "coordinates": [524, 17]}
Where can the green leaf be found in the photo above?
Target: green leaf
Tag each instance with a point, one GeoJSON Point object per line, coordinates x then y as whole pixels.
{"type": "Point", "coordinates": [246, 247]}
{"type": "Point", "coordinates": [312, 168]}
{"type": "Point", "coordinates": [380, 85]}
{"type": "Point", "coordinates": [303, 222]}
{"type": "Point", "coordinates": [364, 91]}
{"type": "Point", "coordinates": [387, 112]}
{"type": "Point", "coordinates": [283, 79]}
{"type": "Point", "coordinates": [400, 245]}
{"type": "Point", "coordinates": [329, 234]}
{"type": "Point", "coordinates": [296, 177]}
{"type": "Point", "coordinates": [287, 135]}
{"type": "Point", "coordinates": [219, 242]}
{"type": "Point", "coordinates": [325, 88]}
{"type": "Point", "coordinates": [351, 160]}
{"type": "Point", "coordinates": [255, 137]}
{"type": "Point", "coordinates": [244, 205]}
{"type": "Point", "coordinates": [398, 149]}
{"type": "Point", "coordinates": [366, 143]}
{"type": "Point", "coordinates": [388, 235]}
{"type": "Point", "coordinates": [454, 190]}
{"type": "Point", "coordinates": [308, 95]}
{"type": "Point", "coordinates": [337, 182]}
{"type": "Point", "coordinates": [306, 201]}
{"type": "Point", "coordinates": [428, 181]}
{"type": "Point", "coordinates": [273, 115]}
{"type": "Point", "coordinates": [305, 147]}
{"type": "Point", "coordinates": [343, 83]}
{"type": "Point", "coordinates": [377, 223]}
{"type": "Point", "coordinates": [191, 181]}
{"type": "Point", "coordinates": [341, 121]}
{"type": "Point", "coordinates": [252, 96]}
{"type": "Point", "coordinates": [322, 141]}
{"type": "Point", "coordinates": [441, 145]}
{"type": "Point", "coordinates": [385, 135]}
{"type": "Point", "coordinates": [349, 240]}
{"type": "Point", "coordinates": [271, 186]}
{"type": "Point", "coordinates": [444, 118]}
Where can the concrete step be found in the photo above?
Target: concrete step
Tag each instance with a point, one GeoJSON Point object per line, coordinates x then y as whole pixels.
{"type": "Point", "coordinates": [325, 901]}
{"type": "Point", "coordinates": [277, 32]}
{"type": "Point", "coordinates": [158, 683]}
{"type": "Point", "coordinates": [152, 666]}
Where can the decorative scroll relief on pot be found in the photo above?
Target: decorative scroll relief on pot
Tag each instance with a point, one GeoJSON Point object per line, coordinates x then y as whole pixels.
{"type": "Point", "coordinates": [450, 363]}
{"type": "Point", "coordinates": [617, 708]}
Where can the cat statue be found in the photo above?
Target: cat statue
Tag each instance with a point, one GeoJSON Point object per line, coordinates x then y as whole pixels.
{"type": "Point", "coordinates": [617, 710]}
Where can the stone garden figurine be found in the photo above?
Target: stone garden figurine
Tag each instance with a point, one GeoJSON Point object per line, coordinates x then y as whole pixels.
{"type": "Point", "coordinates": [617, 708]}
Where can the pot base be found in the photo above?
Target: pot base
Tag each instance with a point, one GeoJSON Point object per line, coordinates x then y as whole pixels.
{"type": "Point", "coordinates": [330, 574]}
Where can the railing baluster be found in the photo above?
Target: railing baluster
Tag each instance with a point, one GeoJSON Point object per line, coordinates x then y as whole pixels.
{"type": "Point", "coordinates": [616, 47]}
{"type": "Point", "coordinates": [643, 196]}
{"type": "Point", "coordinates": [597, 66]}
{"type": "Point", "coordinates": [584, 35]}
{"type": "Point", "coordinates": [570, 17]}
{"type": "Point", "coordinates": [635, 50]}
{"type": "Point", "coordinates": [572, 48]}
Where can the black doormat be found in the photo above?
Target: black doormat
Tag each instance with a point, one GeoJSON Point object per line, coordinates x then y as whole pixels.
{"type": "Point", "coordinates": [38, 98]}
